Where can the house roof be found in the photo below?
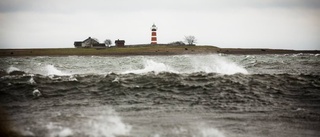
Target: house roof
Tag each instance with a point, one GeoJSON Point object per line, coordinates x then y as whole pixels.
{"type": "Point", "coordinates": [119, 41]}
{"type": "Point", "coordinates": [91, 40]}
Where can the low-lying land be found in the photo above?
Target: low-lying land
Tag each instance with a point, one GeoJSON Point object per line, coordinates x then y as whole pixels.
{"type": "Point", "coordinates": [144, 50]}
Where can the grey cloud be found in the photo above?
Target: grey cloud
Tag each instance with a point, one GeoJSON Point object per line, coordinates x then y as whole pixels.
{"type": "Point", "coordinates": [69, 6]}
{"type": "Point", "coordinates": [11, 6]}
{"type": "Point", "coordinates": [300, 4]}
{"type": "Point", "coordinates": [138, 5]}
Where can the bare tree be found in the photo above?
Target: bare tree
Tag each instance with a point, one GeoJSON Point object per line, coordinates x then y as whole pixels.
{"type": "Point", "coordinates": [191, 40]}
{"type": "Point", "coordinates": [96, 40]}
{"type": "Point", "coordinates": [108, 42]}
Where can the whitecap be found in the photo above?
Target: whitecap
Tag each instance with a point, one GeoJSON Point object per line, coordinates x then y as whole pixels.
{"type": "Point", "coordinates": [11, 69]}
{"type": "Point", "coordinates": [36, 93]}
{"type": "Point", "coordinates": [116, 80]}
{"type": "Point", "coordinates": [211, 132]}
{"type": "Point", "coordinates": [216, 64]}
{"type": "Point", "coordinates": [72, 78]}
{"type": "Point", "coordinates": [51, 70]}
{"type": "Point", "coordinates": [58, 131]}
{"type": "Point", "coordinates": [26, 133]}
{"type": "Point", "coordinates": [109, 124]}
{"type": "Point", "coordinates": [31, 81]}
{"type": "Point", "coordinates": [152, 66]}
{"type": "Point", "coordinates": [205, 130]}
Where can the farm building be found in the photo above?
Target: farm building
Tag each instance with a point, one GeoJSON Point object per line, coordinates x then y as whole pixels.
{"type": "Point", "coordinates": [119, 43]}
{"type": "Point", "coordinates": [89, 43]}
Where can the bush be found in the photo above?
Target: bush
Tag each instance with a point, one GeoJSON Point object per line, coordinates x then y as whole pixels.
{"type": "Point", "coordinates": [177, 43]}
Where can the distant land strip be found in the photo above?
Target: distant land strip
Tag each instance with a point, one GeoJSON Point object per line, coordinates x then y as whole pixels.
{"type": "Point", "coordinates": [144, 50]}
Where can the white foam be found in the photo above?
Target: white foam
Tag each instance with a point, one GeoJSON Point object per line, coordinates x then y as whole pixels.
{"type": "Point", "coordinates": [152, 66]}
{"type": "Point", "coordinates": [26, 133]}
{"type": "Point", "coordinates": [58, 131]}
{"type": "Point", "coordinates": [205, 130]}
{"type": "Point", "coordinates": [192, 64]}
{"type": "Point", "coordinates": [116, 80]}
{"type": "Point", "coordinates": [31, 81]}
{"type": "Point", "coordinates": [298, 54]}
{"type": "Point", "coordinates": [11, 69]}
{"type": "Point", "coordinates": [51, 70]}
{"type": "Point", "coordinates": [109, 124]}
{"type": "Point", "coordinates": [66, 132]}
{"type": "Point", "coordinates": [72, 78]}
{"type": "Point", "coordinates": [250, 56]}
{"type": "Point", "coordinates": [216, 64]}
{"type": "Point", "coordinates": [211, 132]}
{"type": "Point", "coordinates": [36, 93]}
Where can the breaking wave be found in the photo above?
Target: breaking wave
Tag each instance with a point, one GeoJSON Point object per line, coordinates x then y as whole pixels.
{"type": "Point", "coordinates": [51, 70]}
{"type": "Point", "coordinates": [216, 64]}
{"type": "Point", "coordinates": [137, 65]}
{"type": "Point", "coordinates": [208, 64]}
{"type": "Point", "coordinates": [107, 123]}
{"type": "Point", "coordinates": [152, 66]}
{"type": "Point", "coordinates": [12, 69]}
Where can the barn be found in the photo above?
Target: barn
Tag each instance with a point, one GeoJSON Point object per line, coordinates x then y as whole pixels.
{"type": "Point", "coordinates": [119, 43]}
{"type": "Point", "coordinates": [89, 43]}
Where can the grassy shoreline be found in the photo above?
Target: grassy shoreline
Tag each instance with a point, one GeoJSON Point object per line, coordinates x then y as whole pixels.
{"type": "Point", "coordinates": [144, 50]}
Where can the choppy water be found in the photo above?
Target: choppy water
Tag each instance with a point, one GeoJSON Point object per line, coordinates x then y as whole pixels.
{"type": "Point", "coordinates": [156, 96]}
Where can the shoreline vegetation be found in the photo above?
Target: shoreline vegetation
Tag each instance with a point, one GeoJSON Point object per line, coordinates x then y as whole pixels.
{"type": "Point", "coordinates": [145, 50]}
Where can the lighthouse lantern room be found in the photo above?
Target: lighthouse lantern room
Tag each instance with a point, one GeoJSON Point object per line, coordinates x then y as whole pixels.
{"type": "Point", "coordinates": [154, 34]}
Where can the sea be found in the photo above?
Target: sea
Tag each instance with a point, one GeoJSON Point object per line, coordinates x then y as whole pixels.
{"type": "Point", "coordinates": [211, 95]}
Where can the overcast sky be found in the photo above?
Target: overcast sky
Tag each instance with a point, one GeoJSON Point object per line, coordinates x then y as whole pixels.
{"type": "Point", "coordinates": [285, 24]}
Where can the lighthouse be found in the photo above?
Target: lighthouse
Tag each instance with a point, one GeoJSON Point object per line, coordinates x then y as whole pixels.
{"type": "Point", "coordinates": [154, 34]}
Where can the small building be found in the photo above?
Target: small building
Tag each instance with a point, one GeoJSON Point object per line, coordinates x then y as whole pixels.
{"type": "Point", "coordinates": [89, 43]}
{"type": "Point", "coordinates": [119, 43]}
{"type": "Point", "coordinates": [78, 44]}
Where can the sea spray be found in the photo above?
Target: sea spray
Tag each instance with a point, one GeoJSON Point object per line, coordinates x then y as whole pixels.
{"type": "Point", "coordinates": [205, 130]}
{"type": "Point", "coordinates": [135, 64]}
{"type": "Point", "coordinates": [11, 69]}
{"type": "Point", "coordinates": [58, 130]}
{"type": "Point", "coordinates": [152, 66]}
{"type": "Point", "coordinates": [215, 64]}
{"type": "Point", "coordinates": [210, 132]}
{"type": "Point", "coordinates": [107, 124]}
{"type": "Point", "coordinates": [208, 64]}
{"type": "Point", "coordinates": [31, 81]}
{"type": "Point", "coordinates": [51, 70]}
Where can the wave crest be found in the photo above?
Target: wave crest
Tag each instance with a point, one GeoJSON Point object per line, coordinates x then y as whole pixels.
{"type": "Point", "coordinates": [208, 64]}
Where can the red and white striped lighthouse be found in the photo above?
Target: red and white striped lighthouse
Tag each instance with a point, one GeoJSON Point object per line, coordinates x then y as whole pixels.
{"type": "Point", "coordinates": [154, 34]}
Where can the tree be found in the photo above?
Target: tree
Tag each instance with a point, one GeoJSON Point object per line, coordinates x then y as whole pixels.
{"type": "Point", "coordinates": [95, 40]}
{"type": "Point", "coordinates": [191, 40]}
{"type": "Point", "coordinates": [108, 42]}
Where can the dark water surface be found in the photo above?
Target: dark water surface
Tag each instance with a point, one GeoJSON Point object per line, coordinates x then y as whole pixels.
{"type": "Point", "coordinates": [157, 96]}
